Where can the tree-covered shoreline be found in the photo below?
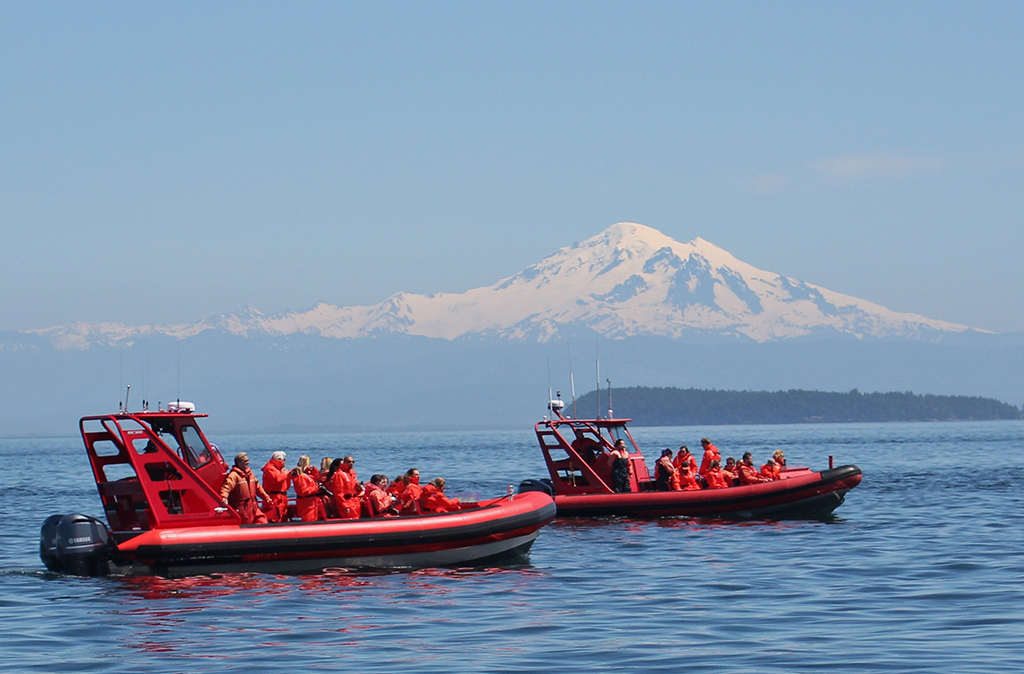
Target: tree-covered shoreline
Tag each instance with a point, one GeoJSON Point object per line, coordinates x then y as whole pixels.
{"type": "Point", "coordinates": [657, 406]}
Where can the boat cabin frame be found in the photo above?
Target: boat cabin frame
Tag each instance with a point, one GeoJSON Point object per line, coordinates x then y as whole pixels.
{"type": "Point", "coordinates": [155, 470]}
{"type": "Point", "coordinates": [576, 454]}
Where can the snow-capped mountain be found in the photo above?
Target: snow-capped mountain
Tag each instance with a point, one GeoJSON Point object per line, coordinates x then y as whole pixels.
{"type": "Point", "coordinates": [629, 280]}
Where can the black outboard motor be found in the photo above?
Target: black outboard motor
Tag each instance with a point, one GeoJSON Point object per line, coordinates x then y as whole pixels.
{"type": "Point", "coordinates": [76, 544]}
{"type": "Point", "coordinates": [541, 485]}
{"type": "Point", "coordinates": [48, 544]}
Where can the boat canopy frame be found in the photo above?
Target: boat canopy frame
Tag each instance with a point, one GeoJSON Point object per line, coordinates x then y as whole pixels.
{"type": "Point", "coordinates": [571, 470]}
{"type": "Point", "coordinates": [144, 483]}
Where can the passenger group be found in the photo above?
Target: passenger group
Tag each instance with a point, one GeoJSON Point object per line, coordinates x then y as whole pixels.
{"type": "Point", "coordinates": [681, 473]}
{"type": "Point", "coordinates": [331, 492]}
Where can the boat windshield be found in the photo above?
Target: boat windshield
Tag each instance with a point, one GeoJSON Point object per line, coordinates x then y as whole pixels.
{"type": "Point", "coordinates": [196, 452]}
{"type": "Point", "coordinates": [618, 432]}
{"type": "Point", "coordinates": [190, 444]}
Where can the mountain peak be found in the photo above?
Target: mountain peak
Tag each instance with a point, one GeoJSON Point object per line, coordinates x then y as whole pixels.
{"type": "Point", "coordinates": [628, 280]}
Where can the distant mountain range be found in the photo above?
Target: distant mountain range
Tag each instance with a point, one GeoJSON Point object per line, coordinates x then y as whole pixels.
{"type": "Point", "coordinates": [628, 281]}
{"type": "Point", "coordinates": [658, 312]}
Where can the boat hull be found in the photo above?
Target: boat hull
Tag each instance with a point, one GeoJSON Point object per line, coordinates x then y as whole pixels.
{"type": "Point", "coordinates": [805, 496]}
{"type": "Point", "coordinates": [495, 532]}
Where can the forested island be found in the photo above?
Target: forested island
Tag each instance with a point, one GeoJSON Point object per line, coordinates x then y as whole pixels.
{"type": "Point", "coordinates": [654, 406]}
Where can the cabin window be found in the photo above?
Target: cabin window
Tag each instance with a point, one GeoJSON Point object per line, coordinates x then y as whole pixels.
{"type": "Point", "coordinates": [619, 433]}
{"type": "Point", "coordinates": [162, 471]}
{"type": "Point", "coordinates": [105, 448]}
{"type": "Point", "coordinates": [144, 446]}
{"type": "Point", "coordinates": [195, 450]}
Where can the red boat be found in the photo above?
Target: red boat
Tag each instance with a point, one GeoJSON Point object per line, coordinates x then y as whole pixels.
{"type": "Point", "coordinates": [159, 479]}
{"type": "Point", "coordinates": [581, 482]}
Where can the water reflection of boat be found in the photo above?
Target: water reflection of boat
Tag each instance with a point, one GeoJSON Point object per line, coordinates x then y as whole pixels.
{"type": "Point", "coordinates": [159, 479]}
{"type": "Point", "coordinates": [580, 480]}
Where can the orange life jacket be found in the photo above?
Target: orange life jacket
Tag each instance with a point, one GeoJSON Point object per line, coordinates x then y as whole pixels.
{"type": "Point", "coordinates": [433, 500]}
{"type": "Point", "coordinates": [771, 471]}
{"type": "Point", "coordinates": [346, 494]}
{"type": "Point", "coordinates": [748, 475]}
{"type": "Point", "coordinates": [688, 458]}
{"type": "Point", "coordinates": [276, 481]}
{"type": "Point", "coordinates": [240, 488]}
{"type": "Point", "coordinates": [710, 454]}
{"type": "Point", "coordinates": [687, 482]}
{"type": "Point", "coordinates": [715, 479]}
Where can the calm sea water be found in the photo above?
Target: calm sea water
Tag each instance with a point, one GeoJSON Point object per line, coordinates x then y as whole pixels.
{"type": "Point", "coordinates": [922, 570]}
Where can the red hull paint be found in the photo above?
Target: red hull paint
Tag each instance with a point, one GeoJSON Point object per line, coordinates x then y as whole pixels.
{"type": "Point", "coordinates": [810, 495]}
{"type": "Point", "coordinates": [496, 529]}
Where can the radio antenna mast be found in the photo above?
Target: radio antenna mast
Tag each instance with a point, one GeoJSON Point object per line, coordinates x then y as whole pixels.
{"type": "Point", "coordinates": [572, 383]}
{"type": "Point", "coordinates": [609, 398]}
{"type": "Point", "coordinates": [549, 380]}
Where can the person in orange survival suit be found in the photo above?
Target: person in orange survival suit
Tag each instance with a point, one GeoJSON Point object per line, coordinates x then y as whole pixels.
{"type": "Point", "coordinates": [731, 472]}
{"type": "Point", "coordinates": [771, 471]}
{"type": "Point", "coordinates": [749, 474]}
{"type": "Point", "coordinates": [433, 499]}
{"type": "Point", "coordinates": [276, 482]}
{"type": "Point", "coordinates": [711, 453]}
{"type": "Point", "coordinates": [714, 476]}
{"type": "Point", "coordinates": [410, 496]}
{"type": "Point", "coordinates": [240, 490]}
{"type": "Point", "coordinates": [308, 504]}
{"type": "Point", "coordinates": [684, 456]}
{"type": "Point", "coordinates": [396, 487]}
{"type": "Point", "coordinates": [379, 503]}
{"type": "Point", "coordinates": [347, 490]}
{"type": "Point", "coordinates": [685, 479]}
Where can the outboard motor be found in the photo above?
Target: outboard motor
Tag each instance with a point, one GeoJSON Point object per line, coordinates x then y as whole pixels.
{"type": "Point", "coordinates": [82, 545]}
{"type": "Point", "coordinates": [542, 485]}
{"type": "Point", "coordinates": [48, 544]}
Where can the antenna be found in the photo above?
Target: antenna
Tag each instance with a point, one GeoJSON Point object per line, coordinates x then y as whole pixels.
{"type": "Point", "coordinates": [609, 398]}
{"type": "Point", "coordinates": [598, 395]}
{"type": "Point", "coordinates": [179, 369]}
{"type": "Point", "coordinates": [126, 394]}
{"type": "Point", "coordinates": [549, 380]}
{"type": "Point", "coordinates": [145, 378]}
{"type": "Point", "coordinates": [572, 383]}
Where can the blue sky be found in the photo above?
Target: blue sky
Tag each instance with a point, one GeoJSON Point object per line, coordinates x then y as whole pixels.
{"type": "Point", "coordinates": [161, 162]}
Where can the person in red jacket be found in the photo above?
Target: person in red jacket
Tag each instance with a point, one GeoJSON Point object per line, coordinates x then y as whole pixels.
{"type": "Point", "coordinates": [378, 502]}
{"type": "Point", "coordinates": [396, 487]}
{"type": "Point", "coordinates": [749, 474]}
{"type": "Point", "coordinates": [308, 504]}
{"type": "Point", "coordinates": [347, 490]}
{"type": "Point", "coordinates": [685, 479]}
{"type": "Point", "coordinates": [410, 496]}
{"type": "Point", "coordinates": [433, 499]}
{"type": "Point", "coordinates": [325, 466]}
{"type": "Point", "coordinates": [240, 490]}
{"type": "Point", "coordinates": [771, 471]}
{"type": "Point", "coordinates": [714, 476]}
{"type": "Point", "coordinates": [711, 453]}
{"type": "Point", "coordinates": [276, 482]}
{"type": "Point", "coordinates": [684, 456]}
{"type": "Point", "coordinates": [731, 471]}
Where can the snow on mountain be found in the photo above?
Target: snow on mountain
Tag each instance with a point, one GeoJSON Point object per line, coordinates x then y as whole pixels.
{"type": "Point", "coordinates": [628, 280]}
